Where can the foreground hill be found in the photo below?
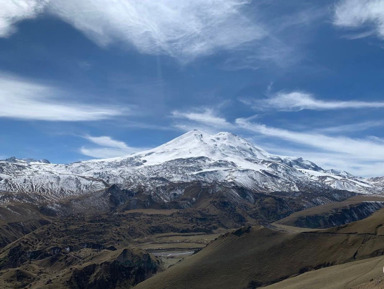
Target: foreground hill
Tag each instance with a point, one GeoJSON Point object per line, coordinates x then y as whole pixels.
{"type": "Point", "coordinates": [258, 256]}
{"type": "Point", "coordinates": [363, 274]}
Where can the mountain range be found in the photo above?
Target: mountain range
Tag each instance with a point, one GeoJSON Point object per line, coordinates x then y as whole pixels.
{"type": "Point", "coordinates": [222, 158]}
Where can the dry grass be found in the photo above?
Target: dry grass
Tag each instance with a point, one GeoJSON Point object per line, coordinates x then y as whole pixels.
{"type": "Point", "coordinates": [263, 256]}
{"type": "Point", "coordinates": [364, 274]}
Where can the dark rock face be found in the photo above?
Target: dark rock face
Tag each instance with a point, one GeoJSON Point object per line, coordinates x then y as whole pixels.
{"type": "Point", "coordinates": [340, 216]}
{"type": "Point", "coordinates": [16, 257]}
{"type": "Point", "coordinates": [118, 196]}
{"type": "Point", "coordinates": [242, 231]}
{"type": "Point", "coordinates": [113, 269]}
{"type": "Point", "coordinates": [127, 270]}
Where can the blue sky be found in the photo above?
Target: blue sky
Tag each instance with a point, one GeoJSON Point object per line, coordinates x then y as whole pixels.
{"type": "Point", "coordinates": [83, 79]}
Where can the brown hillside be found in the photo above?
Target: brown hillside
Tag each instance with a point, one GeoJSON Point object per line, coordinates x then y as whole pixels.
{"type": "Point", "coordinates": [260, 256]}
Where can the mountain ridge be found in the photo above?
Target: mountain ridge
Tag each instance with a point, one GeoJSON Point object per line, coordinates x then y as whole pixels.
{"type": "Point", "coordinates": [194, 156]}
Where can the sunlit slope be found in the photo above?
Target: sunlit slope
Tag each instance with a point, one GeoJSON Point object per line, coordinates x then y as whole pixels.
{"type": "Point", "coordinates": [363, 274]}
{"type": "Point", "coordinates": [262, 256]}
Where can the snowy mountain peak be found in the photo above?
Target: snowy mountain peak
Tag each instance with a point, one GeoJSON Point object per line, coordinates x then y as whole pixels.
{"type": "Point", "coordinates": [222, 146]}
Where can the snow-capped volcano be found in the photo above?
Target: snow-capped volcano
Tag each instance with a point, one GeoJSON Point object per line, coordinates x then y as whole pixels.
{"type": "Point", "coordinates": [194, 156]}
{"type": "Point", "coordinates": [223, 146]}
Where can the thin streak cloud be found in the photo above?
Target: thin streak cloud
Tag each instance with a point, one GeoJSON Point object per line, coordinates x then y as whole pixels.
{"type": "Point", "coordinates": [358, 148]}
{"type": "Point", "coordinates": [204, 116]}
{"type": "Point", "coordinates": [297, 100]}
{"type": "Point", "coordinates": [26, 100]}
{"type": "Point", "coordinates": [107, 147]}
{"type": "Point", "coordinates": [354, 127]}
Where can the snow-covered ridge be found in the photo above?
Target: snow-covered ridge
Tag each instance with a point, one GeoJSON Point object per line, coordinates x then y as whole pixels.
{"type": "Point", "coordinates": [194, 156]}
{"type": "Point", "coordinates": [16, 160]}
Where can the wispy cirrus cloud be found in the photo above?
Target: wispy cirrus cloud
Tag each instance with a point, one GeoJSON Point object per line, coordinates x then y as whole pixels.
{"type": "Point", "coordinates": [184, 29]}
{"type": "Point", "coordinates": [357, 14]}
{"type": "Point", "coordinates": [203, 115]}
{"type": "Point", "coordinates": [13, 11]}
{"type": "Point", "coordinates": [338, 161]}
{"type": "Point", "coordinates": [360, 148]}
{"type": "Point", "coordinates": [181, 29]}
{"type": "Point", "coordinates": [107, 147]}
{"type": "Point", "coordinates": [26, 100]}
{"type": "Point", "coordinates": [361, 156]}
{"type": "Point", "coordinates": [202, 118]}
{"type": "Point", "coordinates": [285, 35]}
{"type": "Point", "coordinates": [354, 127]}
{"type": "Point", "coordinates": [298, 100]}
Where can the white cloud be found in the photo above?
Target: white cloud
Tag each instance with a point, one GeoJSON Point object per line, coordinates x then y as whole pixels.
{"type": "Point", "coordinates": [108, 142]}
{"type": "Point", "coordinates": [298, 100]}
{"type": "Point", "coordinates": [182, 29]}
{"type": "Point", "coordinates": [360, 13]}
{"type": "Point", "coordinates": [108, 147]}
{"type": "Point", "coordinates": [338, 161]}
{"type": "Point", "coordinates": [23, 99]}
{"type": "Point", "coordinates": [354, 127]}
{"type": "Point", "coordinates": [359, 148]}
{"type": "Point", "coordinates": [206, 116]}
{"type": "Point", "coordinates": [203, 118]}
{"type": "Point", "coordinates": [13, 11]}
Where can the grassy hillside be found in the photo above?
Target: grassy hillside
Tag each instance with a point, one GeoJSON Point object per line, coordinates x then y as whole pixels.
{"type": "Point", "coordinates": [258, 256]}
{"type": "Point", "coordinates": [363, 274]}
